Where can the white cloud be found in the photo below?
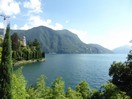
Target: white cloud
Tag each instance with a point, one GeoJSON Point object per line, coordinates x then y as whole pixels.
{"type": "Point", "coordinates": [83, 35]}
{"type": "Point", "coordinates": [9, 7]}
{"type": "Point", "coordinates": [118, 37]}
{"type": "Point", "coordinates": [33, 5]}
{"type": "Point", "coordinates": [111, 40]}
{"type": "Point", "coordinates": [25, 27]}
{"type": "Point", "coordinates": [58, 26]}
{"type": "Point", "coordinates": [13, 16]}
{"type": "Point", "coordinates": [1, 25]}
{"type": "Point", "coordinates": [15, 27]}
{"type": "Point", "coordinates": [48, 21]}
{"type": "Point", "coordinates": [35, 21]}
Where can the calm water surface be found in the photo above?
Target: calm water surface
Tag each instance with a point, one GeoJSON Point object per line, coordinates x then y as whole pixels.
{"type": "Point", "coordinates": [73, 68]}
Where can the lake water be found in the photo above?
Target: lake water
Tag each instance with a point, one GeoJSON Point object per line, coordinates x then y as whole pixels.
{"type": "Point", "coordinates": [73, 68]}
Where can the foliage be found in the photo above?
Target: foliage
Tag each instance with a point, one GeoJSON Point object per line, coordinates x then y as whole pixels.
{"type": "Point", "coordinates": [95, 94]}
{"type": "Point", "coordinates": [58, 88]}
{"type": "Point", "coordinates": [129, 58]}
{"type": "Point", "coordinates": [110, 91]}
{"type": "Point", "coordinates": [1, 41]}
{"type": "Point", "coordinates": [72, 94]}
{"type": "Point", "coordinates": [18, 85]}
{"type": "Point", "coordinates": [122, 75]}
{"type": "Point", "coordinates": [41, 91]}
{"type": "Point", "coordinates": [56, 91]}
{"type": "Point", "coordinates": [30, 52]}
{"type": "Point", "coordinates": [0, 53]}
{"type": "Point", "coordinates": [6, 67]}
{"type": "Point", "coordinates": [35, 44]}
{"type": "Point", "coordinates": [15, 42]}
{"type": "Point", "coordinates": [84, 89]}
{"type": "Point", "coordinates": [31, 93]}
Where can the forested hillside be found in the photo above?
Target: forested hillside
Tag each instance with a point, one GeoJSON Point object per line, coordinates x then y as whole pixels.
{"type": "Point", "coordinates": [59, 41]}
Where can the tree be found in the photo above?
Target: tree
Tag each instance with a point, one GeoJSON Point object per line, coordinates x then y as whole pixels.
{"type": "Point", "coordinates": [72, 94]}
{"type": "Point", "coordinates": [31, 93]}
{"type": "Point", "coordinates": [1, 41]}
{"type": "Point", "coordinates": [37, 44]}
{"type": "Point", "coordinates": [15, 42]}
{"type": "Point", "coordinates": [0, 53]}
{"type": "Point", "coordinates": [19, 85]}
{"type": "Point", "coordinates": [58, 89]}
{"type": "Point", "coordinates": [40, 91]}
{"type": "Point", "coordinates": [95, 94]}
{"type": "Point", "coordinates": [41, 87]}
{"type": "Point", "coordinates": [84, 90]}
{"type": "Point", "coordinates": [43, 54]}
{"type": "Point", "coordinates": [111, 91]}
{"type": "Point", "coordinates": [121, 74]}
{"type": "Point", "coordinates": [6, 67]}
{"type": "Point", "coordinates": [129, 59]}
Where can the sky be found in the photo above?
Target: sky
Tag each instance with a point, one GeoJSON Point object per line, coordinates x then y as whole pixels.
{"type": "Point", "coordinates": [104, 22]}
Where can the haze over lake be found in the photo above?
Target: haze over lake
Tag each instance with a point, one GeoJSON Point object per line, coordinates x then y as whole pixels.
{"type": "Point", "coordinates": [73, 68]}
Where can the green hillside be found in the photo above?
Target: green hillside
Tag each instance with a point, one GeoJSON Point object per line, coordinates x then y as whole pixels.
{"type": "Point", "coordinates": [60, 41]}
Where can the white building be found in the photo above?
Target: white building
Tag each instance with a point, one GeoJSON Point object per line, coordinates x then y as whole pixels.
{"type": "Point", "coordinates": [24, 41]}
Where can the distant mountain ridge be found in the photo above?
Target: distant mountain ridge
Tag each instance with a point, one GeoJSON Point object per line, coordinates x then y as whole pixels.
{"type": "Point", "coordinates": [122, 49]}
{"type": "Point", "coordinates": [60, 41]}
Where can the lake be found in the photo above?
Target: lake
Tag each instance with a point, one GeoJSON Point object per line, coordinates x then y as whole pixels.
{"type": "Point", "coordinates": [73, 68]}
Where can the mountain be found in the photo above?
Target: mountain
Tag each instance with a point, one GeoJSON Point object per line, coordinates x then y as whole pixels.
{"type": "Point", "coordinates": [59, 41]}
{"type": "Point", "coordinates": [122, 49]}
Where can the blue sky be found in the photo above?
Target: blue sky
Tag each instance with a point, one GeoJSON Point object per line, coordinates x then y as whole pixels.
{"type": "Point", "coordinates": [105, 22]}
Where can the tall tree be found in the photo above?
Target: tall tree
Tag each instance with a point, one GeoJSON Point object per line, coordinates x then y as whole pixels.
{"type": "Point", "coordinates": [72, 94]}
{"type": "Point", "coordinates": [19, 85]}
{"type": "Point", "coordinates": [121, 74]}
{"type": "Point", "coordinates": [6, 67]}
{"type": "Point", "coordinates": [41, 87]}
{"type": "Point", "coordinates": [84, 89]}
{"type": "Point", "coordinates": [129, 59]}
{"type": "Point", "coordinates": [110, 91]}
{"type": "Point", "coordinates": [58, 89]}
{"type": "Point", "coordinates": [15, 42]}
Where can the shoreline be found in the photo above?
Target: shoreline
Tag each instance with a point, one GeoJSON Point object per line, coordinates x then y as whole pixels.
{"type": "Point", "coordinates": [18, 63]}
